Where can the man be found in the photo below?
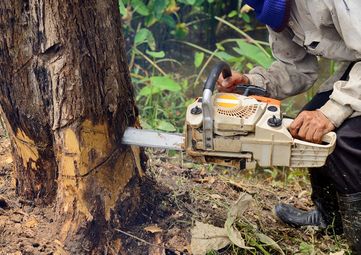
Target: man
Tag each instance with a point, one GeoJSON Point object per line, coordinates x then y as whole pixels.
{"type": "Point", "coordinates": [301, 30]}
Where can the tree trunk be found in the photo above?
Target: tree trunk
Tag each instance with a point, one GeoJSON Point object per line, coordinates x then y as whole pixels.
{"type": "Point", "coordinates": [66, 98]}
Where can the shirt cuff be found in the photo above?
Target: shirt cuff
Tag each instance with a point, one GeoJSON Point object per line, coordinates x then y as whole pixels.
{"type": "Point", "coordinates": [256, 80]}
{"type": "Point", "coordinates": [335, 112]}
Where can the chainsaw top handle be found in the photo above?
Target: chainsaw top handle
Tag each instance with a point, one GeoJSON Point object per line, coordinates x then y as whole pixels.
{"type": "Point", "coordinates": [243, 89]}
{"type": "Point", "coordinates": [209, 86]}
{"type": "Point", "coordinates": [221, 67]}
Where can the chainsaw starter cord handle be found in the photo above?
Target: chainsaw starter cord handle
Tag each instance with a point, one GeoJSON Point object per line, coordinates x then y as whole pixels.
{"type": "Point", "coordinates": [221, 67]}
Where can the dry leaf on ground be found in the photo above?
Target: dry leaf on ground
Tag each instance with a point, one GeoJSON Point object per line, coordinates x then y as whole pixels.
{"type": "Point", "coordinates": [237, 210]}
{"type": "Point", "coordinates": [270, 242]}
{"type": "Point", "coordinates": [153, 229]}
{"type": "Point", "coordinates": [338, 253]}
{"type": "Point", "coordinates": [206, 238]}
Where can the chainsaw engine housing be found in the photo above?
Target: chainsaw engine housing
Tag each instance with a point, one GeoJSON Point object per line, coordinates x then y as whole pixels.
{"type": "Point", "coordinates": [250, 129]}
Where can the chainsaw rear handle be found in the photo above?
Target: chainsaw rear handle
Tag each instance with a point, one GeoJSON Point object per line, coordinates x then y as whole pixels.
{"type": "Point", "coordinates": [221, 67]}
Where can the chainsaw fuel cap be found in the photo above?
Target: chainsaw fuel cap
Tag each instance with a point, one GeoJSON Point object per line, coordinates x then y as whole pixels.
{"type": "Point", "coordinates": [272, 108]}
{"type": "Point", "coordinates": [274, 122]}
{"type": "Point", "coordinates": [196, 110]}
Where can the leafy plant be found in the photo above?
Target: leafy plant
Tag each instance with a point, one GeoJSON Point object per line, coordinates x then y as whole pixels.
{"type": "Point", "coordinates": [163, 103]}
{"type": "Point", "coordinates": [242, 53]}
{"type": "Point", "coordinates": [163, 96]}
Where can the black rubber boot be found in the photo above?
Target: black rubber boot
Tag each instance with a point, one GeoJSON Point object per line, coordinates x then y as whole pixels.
{"type": "Point", "coordinates": [350, 207]}
{"type": "Point", "coordinates": [324, 196]}
{"type": "Point", "coordinates": [298, 218]}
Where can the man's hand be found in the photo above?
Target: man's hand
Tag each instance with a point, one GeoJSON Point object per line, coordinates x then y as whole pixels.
{"type": "Point", "coordinates": [229, 84]}
{"type": "Point", "coordinates": [311, 126]}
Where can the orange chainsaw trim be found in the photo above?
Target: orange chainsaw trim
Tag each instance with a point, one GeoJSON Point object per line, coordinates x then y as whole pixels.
{"type": "Point", "coordinates": [267, 100]}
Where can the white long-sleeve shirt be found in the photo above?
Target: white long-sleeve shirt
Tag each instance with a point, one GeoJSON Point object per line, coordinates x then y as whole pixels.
{"type": "Point", "coordinates": [327, 28]}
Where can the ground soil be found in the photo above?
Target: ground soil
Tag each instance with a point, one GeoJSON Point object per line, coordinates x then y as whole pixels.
{"type": "Point", "coordinates": [177, 193]}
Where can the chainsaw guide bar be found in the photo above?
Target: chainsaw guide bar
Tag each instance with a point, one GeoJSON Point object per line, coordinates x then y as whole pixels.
{"type": "Point", "coordinates": [153, 139]}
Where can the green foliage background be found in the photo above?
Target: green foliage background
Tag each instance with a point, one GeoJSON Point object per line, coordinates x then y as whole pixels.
{"type": "Point", "coordinates": [173, 43]}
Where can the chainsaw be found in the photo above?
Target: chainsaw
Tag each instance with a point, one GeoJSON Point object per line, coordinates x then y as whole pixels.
{"type": "Point", "coordinates": [237, 129]}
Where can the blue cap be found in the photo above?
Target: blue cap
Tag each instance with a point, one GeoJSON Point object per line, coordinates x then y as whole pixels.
{"type": "Point", "coordinates": [274, 13]}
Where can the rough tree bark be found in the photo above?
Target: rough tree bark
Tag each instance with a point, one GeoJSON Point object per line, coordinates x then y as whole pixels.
{"type": "Point", "coordinates": [66, 98]}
